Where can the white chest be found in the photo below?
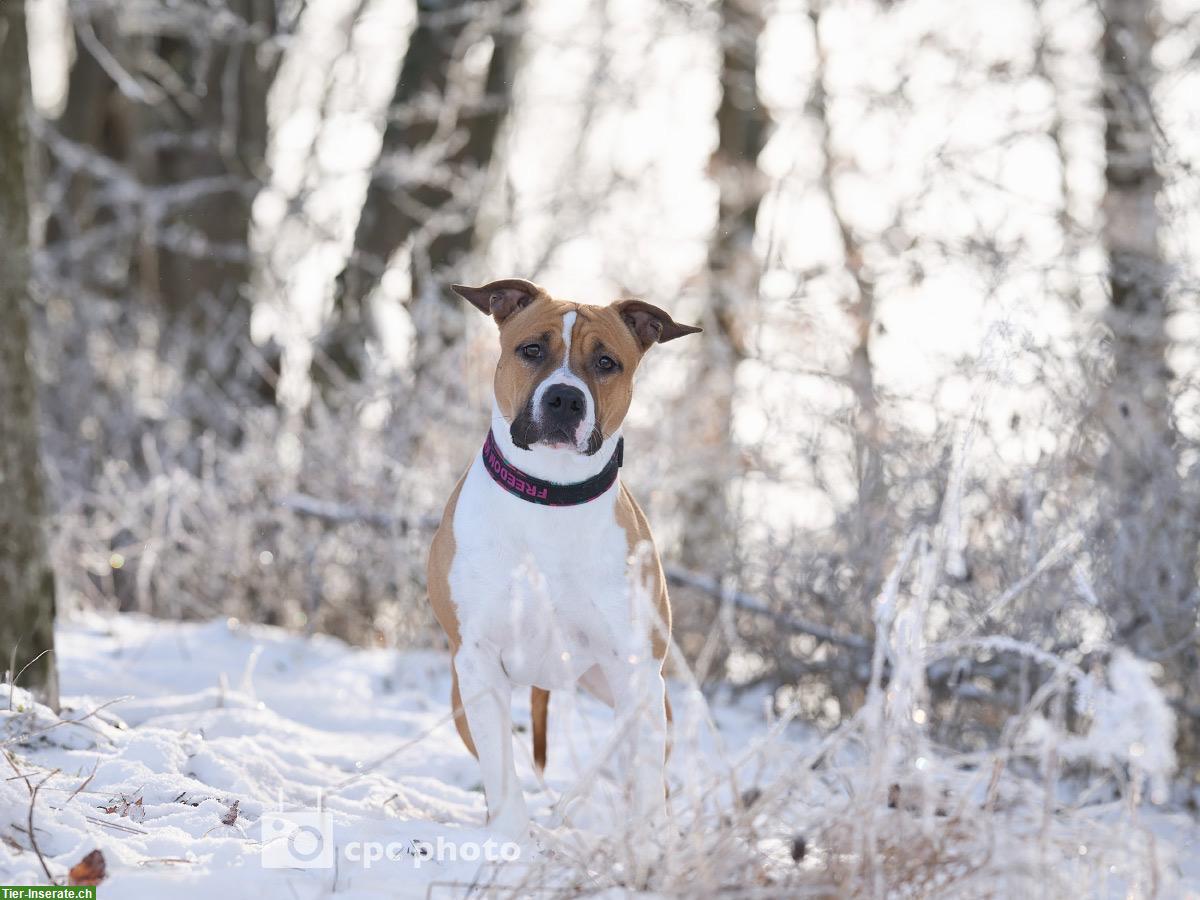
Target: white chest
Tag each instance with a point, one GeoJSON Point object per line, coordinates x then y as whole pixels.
{"type": "Point", "coordinates": [545, 586]}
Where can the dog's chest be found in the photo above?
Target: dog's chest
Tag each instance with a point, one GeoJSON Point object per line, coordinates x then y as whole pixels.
{"type": "Point", "coordinates": [546, 586]}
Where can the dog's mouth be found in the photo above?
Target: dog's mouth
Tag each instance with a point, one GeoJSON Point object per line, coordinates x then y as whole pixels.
{"type": "Point", "coordinates": [558, 438]}
{"type": "Point", "coordinates": [526, 432]}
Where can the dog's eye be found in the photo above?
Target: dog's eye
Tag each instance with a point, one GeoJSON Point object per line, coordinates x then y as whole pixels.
{"type": "Point", "coordinates": [531, 351]}
{"type": "Point", "coordinates": [606, 364]}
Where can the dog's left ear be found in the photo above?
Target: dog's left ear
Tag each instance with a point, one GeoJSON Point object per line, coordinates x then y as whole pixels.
{"type": "Point", "coordinates": [499, 299]}
{"type": "Point", "coordinates": [649, 324]}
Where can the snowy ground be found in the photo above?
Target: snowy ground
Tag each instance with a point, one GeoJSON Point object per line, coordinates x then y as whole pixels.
{"type": "Point", "coordinates": [220, 714]}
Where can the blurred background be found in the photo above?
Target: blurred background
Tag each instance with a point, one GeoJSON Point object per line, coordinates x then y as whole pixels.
{"type": "Point", "coordinates": [944, 255]}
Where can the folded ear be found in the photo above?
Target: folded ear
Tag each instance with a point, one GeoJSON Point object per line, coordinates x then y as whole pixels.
{"type": "Point", "coordinates": [650, 324]}
{"type": "Point", "coordinates": [499, 299]}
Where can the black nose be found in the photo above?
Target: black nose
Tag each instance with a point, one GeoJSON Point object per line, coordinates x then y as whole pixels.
{"type": "Point", "coordinates": [563, 404]}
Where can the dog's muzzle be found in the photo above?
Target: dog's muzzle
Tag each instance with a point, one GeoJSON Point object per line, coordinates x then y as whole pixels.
{"type": "Point", "coordinates": [554, 415]}
{"type": "Point", "coordinates": [562, 410]}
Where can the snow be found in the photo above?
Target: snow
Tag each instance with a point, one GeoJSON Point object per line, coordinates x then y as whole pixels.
{"type": "Point", "coordinates": [217, 713]}
{"type": "Point", "coordinates": [220, 712]}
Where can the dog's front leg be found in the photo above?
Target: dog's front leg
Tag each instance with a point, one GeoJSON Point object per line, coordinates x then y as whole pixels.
{"type": "Point", "coordinates": [639, 692]}
{"type": "Point", "coordinates": [487, 698]}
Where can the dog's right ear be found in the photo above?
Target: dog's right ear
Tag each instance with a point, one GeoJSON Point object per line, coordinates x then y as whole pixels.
{"type": "Point", "coordinates": [500, 299]}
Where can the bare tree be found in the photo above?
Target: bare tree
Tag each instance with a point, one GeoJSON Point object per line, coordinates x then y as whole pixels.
{"type": "Point", "coordinates": [26, 579]}
{"type": "Point", "coordinates": [156, 158]}
{"type": "Point", "coordinates": [734, 270]}
{"type": "Point", "coordinates": [424, 191]}
{"type": "Point", "coordinates": [1137, 274]}
{"type": "Point", "coordinates": [96, 117]}
{"type": "Point", "coordinates": [870, 538]}
{"type": "Point", "coordinates": [1151, 530]}
{"type": "Point", "coordinates": [222, 150]}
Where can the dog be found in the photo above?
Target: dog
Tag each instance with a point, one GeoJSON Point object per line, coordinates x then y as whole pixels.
{"type": "Point", "coordinates": [543, 571]}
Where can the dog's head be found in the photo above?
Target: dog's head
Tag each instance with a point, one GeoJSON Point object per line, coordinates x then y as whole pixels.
{"type": "Point", "coordinates": [565, 376]}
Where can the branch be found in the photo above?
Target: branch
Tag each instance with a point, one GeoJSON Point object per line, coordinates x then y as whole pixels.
{"type": "Point", "coordinates": [748, 603]}
{"type": "Point", "coordinates": [341, 513]}
{"type": "Point", "coordinates": [344, 513]}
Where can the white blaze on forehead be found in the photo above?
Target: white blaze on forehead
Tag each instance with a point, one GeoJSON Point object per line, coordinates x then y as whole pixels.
{"type": "Point", "coordinates": [568, 327]}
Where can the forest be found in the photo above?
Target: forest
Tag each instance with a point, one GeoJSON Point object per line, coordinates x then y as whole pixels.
{"type": "Point", "coordinates": [926, 487]}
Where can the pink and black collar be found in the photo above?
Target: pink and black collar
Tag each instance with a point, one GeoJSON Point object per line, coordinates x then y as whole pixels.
{"type": "Point", "coordinates": [548, 493]}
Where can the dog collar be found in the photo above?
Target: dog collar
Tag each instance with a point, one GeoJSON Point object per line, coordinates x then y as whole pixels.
{"type": "Point", "coordinates": [548, 493]}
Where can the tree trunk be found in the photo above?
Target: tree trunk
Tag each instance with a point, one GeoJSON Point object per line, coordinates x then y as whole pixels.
{"type": "Point", "coordinates": [1137, 275]}
{"type": "Point", "coordinates": [26, 579]}
{"type": "Point", "coordinates": [424, 191]}
{"type": "Point", "coordinates": [734, 270]}
{"type": "Point", "coordinates": [1152, 531]}
{"type": "Point", "coordinates": [199, 275]}
{"type": "Point", "coordinates": [227, 128]}
{"type": "Point", "coordinates": [198, 108]}
{"type": "Point", "coordinates": [97, 117]}
{"type": "Point", "coordinates": [870, 534]}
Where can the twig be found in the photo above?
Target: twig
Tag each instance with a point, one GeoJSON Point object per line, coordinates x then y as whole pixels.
{"type": "Point", "coordinates": [167, 860]}
{"type": "Point", "coordinates": [13, 684]}
{"type": "Point", "coordinates": [375, 764]}
{"type": "Point", "coordinates": [21, 775]}
{"type": "Point", "coordinates": [126, 83]}
{"type": "Point", "coordinates": [84, 783]}
{"type": "Point", "coordinates": [12, 665]}
{"type": "Point", "coordinates": [21, 738]}
{"type": "Point", "coordinates": [33, 792]}
{"type": "Point", "coordinates": [116, 826]}
{"type": "Point", "coordinates": [1067, 545]}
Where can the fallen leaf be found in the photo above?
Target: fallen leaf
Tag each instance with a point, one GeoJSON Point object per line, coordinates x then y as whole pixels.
{"type": "Point", "coordinates": [89, 870]}
{"type": "Point", "coordinates": [231, 816]}
{"type": "Point", "coordinates": [126, 809]}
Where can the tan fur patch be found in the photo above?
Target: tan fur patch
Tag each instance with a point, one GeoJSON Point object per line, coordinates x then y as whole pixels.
{"type": "Point", "coordinates": [437, 570]}
{"type": "Point", "coordinates": [637, 529]}
{"type": "Point", "coordinates": [599, 330]}
{"type": "Point", "coordinates": [437, 577]}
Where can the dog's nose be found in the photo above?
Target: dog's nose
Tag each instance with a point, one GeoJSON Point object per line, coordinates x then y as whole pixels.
{"type": "Point", "coordinates": [564, 404]}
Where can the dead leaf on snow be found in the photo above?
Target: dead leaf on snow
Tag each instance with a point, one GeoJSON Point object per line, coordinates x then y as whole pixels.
{"type": "Point", "coordinates": [89, 870]}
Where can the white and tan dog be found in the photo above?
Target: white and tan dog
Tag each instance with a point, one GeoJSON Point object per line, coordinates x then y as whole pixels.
{"type": "Point", "coordinates": [543, 572]}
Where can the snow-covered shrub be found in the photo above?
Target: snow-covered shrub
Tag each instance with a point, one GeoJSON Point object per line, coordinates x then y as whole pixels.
{"type": "Point", "coordinates": [1129, 723]}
